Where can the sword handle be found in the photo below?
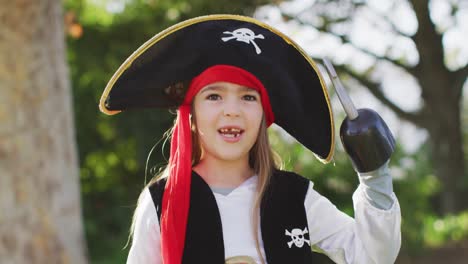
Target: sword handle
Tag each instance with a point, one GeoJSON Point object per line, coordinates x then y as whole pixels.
{"type": "Point", "coordinates": [367, 140]}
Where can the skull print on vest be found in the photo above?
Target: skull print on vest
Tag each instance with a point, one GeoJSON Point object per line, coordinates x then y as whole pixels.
{"type": "Point", "coordinates": [244, 35]}
{"type": "Point", "coordinates": [297, 236]}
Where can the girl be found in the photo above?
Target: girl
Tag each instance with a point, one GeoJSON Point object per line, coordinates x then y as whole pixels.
{"type": "Point", "coordinates": [222, 198]}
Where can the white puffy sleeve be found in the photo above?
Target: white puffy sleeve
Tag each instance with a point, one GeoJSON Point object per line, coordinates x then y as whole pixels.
{"type": "Point", "coordinates": [146, 243]}
{"type": "Point", "coordinates": [373, 236]}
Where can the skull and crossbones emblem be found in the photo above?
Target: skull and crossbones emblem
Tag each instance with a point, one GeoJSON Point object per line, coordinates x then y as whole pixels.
{"type": "Point", "coordinates": [297, 236]}
{"type": "Point", "coordinates": [245, 35]}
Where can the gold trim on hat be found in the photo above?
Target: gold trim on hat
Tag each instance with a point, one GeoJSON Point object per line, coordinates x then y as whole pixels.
{"type": "Point", "coordinates": [128, 62]}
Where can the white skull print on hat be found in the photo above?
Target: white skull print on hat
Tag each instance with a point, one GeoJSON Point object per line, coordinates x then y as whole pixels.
{"type": "Point", "coordinates": [245, 35]}
{"type": "Point", "coordinates": [297, 236]}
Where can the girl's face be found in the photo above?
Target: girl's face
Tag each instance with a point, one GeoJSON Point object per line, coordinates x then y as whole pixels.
{"type": "Point", "coordinates": [228, 118]}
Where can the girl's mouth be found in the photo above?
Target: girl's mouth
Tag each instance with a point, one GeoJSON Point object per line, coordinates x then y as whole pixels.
{"type": "Point", "coordinates": [231, 132]}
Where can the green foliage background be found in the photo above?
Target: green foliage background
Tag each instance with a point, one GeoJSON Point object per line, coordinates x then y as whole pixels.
{"type": "Point", "coordinates": [113, 149]}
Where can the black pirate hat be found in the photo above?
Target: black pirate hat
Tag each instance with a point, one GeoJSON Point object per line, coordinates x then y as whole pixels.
{"type": "Point", "coordinates": [158, 73]}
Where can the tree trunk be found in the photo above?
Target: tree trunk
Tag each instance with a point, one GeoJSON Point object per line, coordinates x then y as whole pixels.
{"type": "Point", "coordinates": [442, 94]}
{"type": "Point", "coordinates": [447, 154]}
{"type": "Point", "coordinates": [40, 211]}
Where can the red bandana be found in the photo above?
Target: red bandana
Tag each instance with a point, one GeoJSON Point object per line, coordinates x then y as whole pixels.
{"type": "Point", "coordinates": [176, 198]}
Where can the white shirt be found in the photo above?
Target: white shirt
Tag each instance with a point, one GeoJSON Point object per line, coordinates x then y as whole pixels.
{"type": "Point", "coordinates": [373, 236]}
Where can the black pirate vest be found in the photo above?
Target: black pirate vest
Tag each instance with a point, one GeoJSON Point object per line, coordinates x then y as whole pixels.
{"type": "Point", "coordinates": [282, 213]}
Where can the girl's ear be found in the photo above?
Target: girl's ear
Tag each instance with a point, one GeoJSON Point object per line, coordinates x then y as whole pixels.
{"type": "Point", "coordinates": [193, 125]}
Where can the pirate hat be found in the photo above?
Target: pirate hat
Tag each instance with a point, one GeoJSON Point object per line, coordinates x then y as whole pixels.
{"type": "Point", "coordinates": [157, 74]}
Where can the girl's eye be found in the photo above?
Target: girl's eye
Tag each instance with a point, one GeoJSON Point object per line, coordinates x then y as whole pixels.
{"type": "Point", "coordinates": [213, 97]}
{"type": "Point", "coordinates": [249, 97]}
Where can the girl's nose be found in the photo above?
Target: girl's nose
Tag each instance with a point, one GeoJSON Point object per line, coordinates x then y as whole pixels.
{"type": "Point", "coordinates": [232, 108]}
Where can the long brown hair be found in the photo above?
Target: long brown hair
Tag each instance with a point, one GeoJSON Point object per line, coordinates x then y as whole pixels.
{"type": "Point", "coordinates": [263, 160]}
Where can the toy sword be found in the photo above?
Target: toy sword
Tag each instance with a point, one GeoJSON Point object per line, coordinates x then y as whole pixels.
{"type": "Point", "coordinates": [365, 136]}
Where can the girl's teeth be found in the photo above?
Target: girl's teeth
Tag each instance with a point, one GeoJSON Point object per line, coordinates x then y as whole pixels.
{"type": "Point", "coordinates": [229, 130]}
{"type": "Point", "coordinates": [231, 135]}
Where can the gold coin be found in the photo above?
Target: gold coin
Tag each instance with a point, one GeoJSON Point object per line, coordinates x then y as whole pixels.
{"type": "Point", "coordinates": [240, 260]}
